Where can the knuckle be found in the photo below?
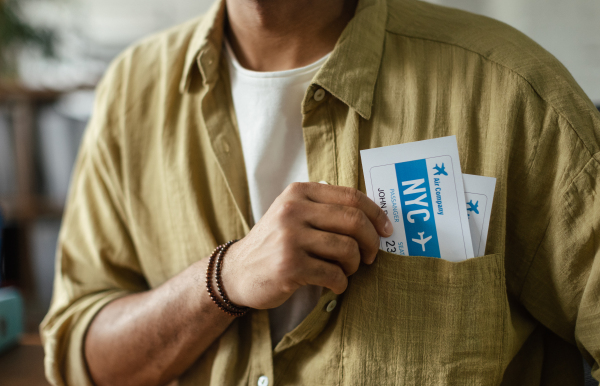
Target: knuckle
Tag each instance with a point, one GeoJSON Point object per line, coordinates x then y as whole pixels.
{"type": "Point", "coordinates": [351, 266]}
{"type": "Point", "coordinates": [354, 218]}
{"type": "Point", "coordinates": [339, 281]}
{"type": "Point", "coordinates": [353, 197]}
{"type": "Point", "coordinates": [287, 208]}
{"type": "Point", "coordinates": [295, 188]}
{"type": "Point", "coordinates": [349, 246]}
{"type": "Point", "coordinates": [287, 287]}
{"type": "Point", "coordinates": [337, 274]}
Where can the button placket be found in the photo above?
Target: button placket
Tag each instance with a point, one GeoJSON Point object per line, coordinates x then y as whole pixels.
{"type": "Point", "coordinates": [319, 139]}
{"type": "Point", "coordinates": [261, 353]}
{"type": "Point", "coordinates": [208, 67]}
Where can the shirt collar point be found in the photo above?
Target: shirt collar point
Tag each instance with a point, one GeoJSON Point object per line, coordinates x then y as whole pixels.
{"type": "Point", "coordinates": [208, 28]}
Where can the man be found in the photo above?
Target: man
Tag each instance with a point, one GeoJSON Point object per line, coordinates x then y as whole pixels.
{"type": "Point", "coordinates": [167, 172]}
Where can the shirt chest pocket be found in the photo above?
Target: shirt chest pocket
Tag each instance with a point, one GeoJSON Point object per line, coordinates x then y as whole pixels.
{"type": "Point", "coordinates": [410, 320]}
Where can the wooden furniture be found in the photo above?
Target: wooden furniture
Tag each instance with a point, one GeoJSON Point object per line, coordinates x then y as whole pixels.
{"type": "Point", "coordinates": [22, 104]}
{"type": "Point", "coordinates": [22, 208]}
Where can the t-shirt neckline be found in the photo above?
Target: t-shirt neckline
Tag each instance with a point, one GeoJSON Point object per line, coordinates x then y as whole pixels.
{"type": "Point", "coordinates": [230, 55]}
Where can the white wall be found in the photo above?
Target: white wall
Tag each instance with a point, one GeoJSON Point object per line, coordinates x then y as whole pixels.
{"type": "Point", "coordinates": [92, 32]}
{"type": "Point", "coordinates": [100, 28]}
{"type": "Point", "coordinates": [117, 23]}
{"type": "Point", "coordinates": [570, 30]}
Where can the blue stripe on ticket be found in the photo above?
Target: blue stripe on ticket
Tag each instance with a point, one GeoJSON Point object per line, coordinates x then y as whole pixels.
{"type": "Point", "coordinates": [417, 209]}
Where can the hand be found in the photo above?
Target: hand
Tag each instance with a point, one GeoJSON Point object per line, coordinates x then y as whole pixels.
{"type": "Point", "coordinates": [312, 234]}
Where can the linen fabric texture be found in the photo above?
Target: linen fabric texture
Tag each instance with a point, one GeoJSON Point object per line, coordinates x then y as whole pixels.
{"type": "Point", "coordinates": [160, 181]}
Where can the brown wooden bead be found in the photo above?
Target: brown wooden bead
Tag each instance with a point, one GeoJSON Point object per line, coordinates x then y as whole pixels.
{"type": "Point", "coordinates": [226, 305]}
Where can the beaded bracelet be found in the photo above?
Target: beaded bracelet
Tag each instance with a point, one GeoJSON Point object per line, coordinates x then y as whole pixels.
{"type": "Point", "coordinates": [226, 305]}
{"type": "Point", "coordinates": [219, 280]}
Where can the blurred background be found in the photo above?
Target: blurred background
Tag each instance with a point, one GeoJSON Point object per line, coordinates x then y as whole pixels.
{"type": "Point", "coordinates": [52, 54]}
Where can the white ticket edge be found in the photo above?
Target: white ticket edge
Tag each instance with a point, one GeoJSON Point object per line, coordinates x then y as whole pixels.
{"type": "Point", "coordinates": [444, 146]}
{"type": "Point", "coordinates": [479, 196]}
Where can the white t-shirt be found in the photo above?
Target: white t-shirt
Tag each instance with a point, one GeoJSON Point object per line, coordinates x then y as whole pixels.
{"type": "Point", "coordinates": [268, 110]}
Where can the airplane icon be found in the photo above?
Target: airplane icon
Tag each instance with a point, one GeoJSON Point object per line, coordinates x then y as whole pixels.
{"type": "Point", "coordinates": [440, 170]}
{"type": "Point", "coordinates": [473, 207]}
{"type": "Point", "coordinates": [422, 240]}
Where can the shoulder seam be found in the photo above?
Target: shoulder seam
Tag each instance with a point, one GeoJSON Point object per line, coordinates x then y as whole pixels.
{"type": "Point", "coordinates": [512, 71]}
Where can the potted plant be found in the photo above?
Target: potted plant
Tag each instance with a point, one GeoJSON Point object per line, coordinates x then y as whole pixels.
{"type": "Point", "coordinates": [16, 33]}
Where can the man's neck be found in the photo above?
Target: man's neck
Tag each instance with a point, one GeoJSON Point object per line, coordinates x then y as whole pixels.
{"type": "Point", "coordinates": [277, 35]}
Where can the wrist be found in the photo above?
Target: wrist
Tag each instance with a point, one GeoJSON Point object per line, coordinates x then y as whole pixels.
{"type": "Point", "coordinates": [214, 282]}
{"type": "Point", "coordinates": [230, 276]}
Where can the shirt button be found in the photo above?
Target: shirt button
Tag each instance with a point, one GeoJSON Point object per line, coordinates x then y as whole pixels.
{"type": "Point", "coordinates": [331, 305]}
{"type": "Point", "coordinates": [263, 381]}
{"type": "Point", "coordinates": [319, 95]}
{"type": "Point", "coordinates": [324, 182]}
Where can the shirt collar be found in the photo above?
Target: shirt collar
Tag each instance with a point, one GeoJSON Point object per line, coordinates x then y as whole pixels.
{"type": "Point", "coordinates": [351, 71]}
{"type": "Point", "coordinates": [349, 74]}
{"type": "Point", "coordinates": [205, 47]}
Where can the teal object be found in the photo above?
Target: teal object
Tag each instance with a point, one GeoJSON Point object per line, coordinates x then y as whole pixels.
{"type": "Point", "coordinates": [11, 317]}
{"type": "Point", "coordinates": [1, 232]}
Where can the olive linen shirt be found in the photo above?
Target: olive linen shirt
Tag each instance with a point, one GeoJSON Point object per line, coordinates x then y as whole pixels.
{"type": "Point", "coordinates": [160, 182]}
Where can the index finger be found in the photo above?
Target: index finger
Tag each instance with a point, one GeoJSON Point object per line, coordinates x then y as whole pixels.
{"type": "Point", "coordinates": [342, 195]}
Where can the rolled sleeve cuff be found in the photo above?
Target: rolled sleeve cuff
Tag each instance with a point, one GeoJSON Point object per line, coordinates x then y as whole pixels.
{"type": "Point", "coordinates": [64, 336]}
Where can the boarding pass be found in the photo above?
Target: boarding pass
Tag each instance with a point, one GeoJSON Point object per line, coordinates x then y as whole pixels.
{"type": "Point", "coordinates": [419, 186]}
{"type": "Point", "coordinates": [479, 194]}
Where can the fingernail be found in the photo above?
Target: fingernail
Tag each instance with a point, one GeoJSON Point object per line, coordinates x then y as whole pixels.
{"type": "Point", "coordinates": [388, 228]}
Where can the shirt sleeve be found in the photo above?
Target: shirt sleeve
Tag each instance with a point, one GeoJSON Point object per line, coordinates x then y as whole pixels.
{"type": "Point", "coordinates": [96, 260]}
{"type": "Point", "coordinates": [562, 286]}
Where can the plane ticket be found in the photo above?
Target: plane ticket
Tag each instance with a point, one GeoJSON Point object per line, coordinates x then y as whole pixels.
{"type": "Point", "coordinates": [479, 194]}
{"type": "Point", "coordinates": [420, 187]}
